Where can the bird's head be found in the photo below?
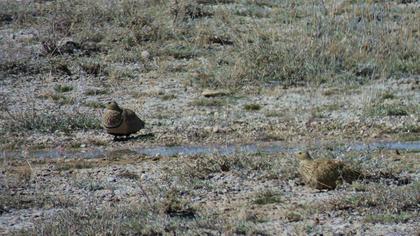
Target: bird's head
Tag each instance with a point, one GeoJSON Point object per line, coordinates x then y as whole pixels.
{"type": "Point", "coordinates": [112, 105]}
{"type": "Point", "coordinates": [303, 156]}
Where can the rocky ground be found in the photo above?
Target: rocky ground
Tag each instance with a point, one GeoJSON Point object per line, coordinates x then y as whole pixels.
{"type": "Point", "coordinates": [204, 73]}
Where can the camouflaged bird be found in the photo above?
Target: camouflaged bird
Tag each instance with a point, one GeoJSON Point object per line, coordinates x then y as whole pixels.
{"type": "Point", "coordinates": [324, 174]}
{"type": "Point", "coordinates": [120, 122]}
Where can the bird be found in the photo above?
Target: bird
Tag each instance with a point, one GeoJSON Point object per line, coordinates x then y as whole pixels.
{"type": "Point", "coordinates": [324, 174]}
{"type": "Point", "coordinates": [119, 121]}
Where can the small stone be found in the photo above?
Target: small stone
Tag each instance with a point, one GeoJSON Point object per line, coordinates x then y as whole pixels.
{"type": "Point", "coordinates": [216, 129]}
{"type": "Point", "coordinates": [111, 179]}
{"type": "Point", "coordinates": [37, 214]}
{"type": "Point", "coordinates": [208, 129]}
{"type": "Point", "coordinates": [144, 177]}
{"type": "Point", "coordinates": [145, 55]}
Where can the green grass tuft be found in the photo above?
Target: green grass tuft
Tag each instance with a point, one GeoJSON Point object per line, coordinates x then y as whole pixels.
{"type": "Point", "coordinates": [267, 197]}
{"type": "Point", "coordinates": [209, 102]}
{"type": "Point", "coordinates": [63, 88]}
{"type": "Point", "coordinates": [252, 107]}
{"type": "Point", "coordinates": [47, 123]}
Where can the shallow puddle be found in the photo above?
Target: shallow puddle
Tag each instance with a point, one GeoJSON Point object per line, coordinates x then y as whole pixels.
{"type": "Point", "coordinates": [190, 150]}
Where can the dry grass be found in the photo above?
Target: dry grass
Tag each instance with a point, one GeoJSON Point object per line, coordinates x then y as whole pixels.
{"type": "Point", "coordinates": [267, 197]}
{"type": "Point", "coordinates": [237, 45]}
{"type": "Point", "coordinates": [385, 199]}
{"type": "Point", "coordinates": [212, 102]}
{"type": "Point", "coordinates": [186, 199]}
{"type": "Point", "coordinates": [49, 122]}
{"type": "Point", "coordinates": [42, 200]}
{"type": "Point", "coordinates": [287, 43]}
{"type": "Point", "coordinates": [17, 174]}
{"type": "Point", "coordinates": [73, 164]}
{"type": "Point", "coordinates": [252, 107]}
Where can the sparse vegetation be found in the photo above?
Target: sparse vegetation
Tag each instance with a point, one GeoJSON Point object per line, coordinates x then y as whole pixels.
{"type": "Point", "coordinates": [92, 68]}
{"type": "Point", "coordinates": [181, 52]}
{"type": "Point", "coordinates": [168, 97]}
{"type": "Point", "coordinates": [129, 175]}
{"type": "Point", "coordinates": [252, 107]}
{"type": "Point", "coordinates": [185, 199]}
{"type": "Point", "coordinates": [46, 122]}
{"type": "Point", "coordinates": [267, 197]}
{"type": "Point", "coordinates": [209, 102]}
{"type": "Point", "coordinates": [93, 92]}
{"type": "Point", "coordinates": [42, 200]}
{"type": "Point", "coordinates": [300, 74]}
{"type": "Point", "coordinates": [73, 164]}
{"type": "Point", "coordinates": [90, 185]}
{"type": "Point", "coordinates": [175, 205]}
{"type": "Point", "coordinates": [336, 47]}
{"type": "Point", "coordinates": [63, 88]}
{"type": "Point", "coordinates": [387, 110]}
{"type": "Point", "coordinates": [388, 218]}
{"type": "Point", "coordinates": [383, 198]}
{"type": "Point", "coordinates": [344, 42]}
{"type": "Point", "coordinates": [58, 98]}
{"type": "Point", "coordinates": [388, 95]}
{"type": "Point", "coordinates": [94, 104]}
{"type": "Point", "coordinates": [274, 114]}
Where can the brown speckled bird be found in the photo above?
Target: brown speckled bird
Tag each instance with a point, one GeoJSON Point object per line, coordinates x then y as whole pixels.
{"type": "Point", "coordinates": [324, 174]}
{"type": "Point", "coordinates": [120, 122]}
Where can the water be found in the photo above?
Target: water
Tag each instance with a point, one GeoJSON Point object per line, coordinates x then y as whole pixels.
{"type": "Point", "coordinates": [190, 150]}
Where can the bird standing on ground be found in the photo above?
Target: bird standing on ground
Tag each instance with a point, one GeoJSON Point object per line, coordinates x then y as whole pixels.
{"type": "Point", "coordinates": [118, 121]}
{"type": "Point", "coordinates": [324, 174]}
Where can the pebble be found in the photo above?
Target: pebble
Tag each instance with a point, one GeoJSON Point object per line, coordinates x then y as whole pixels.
{"type": "Point", "coordinates": [145, 55]}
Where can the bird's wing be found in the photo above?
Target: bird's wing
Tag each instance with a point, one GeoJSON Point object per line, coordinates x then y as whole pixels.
{"type": "Point", "coordinates": [129, 114]}
{"type": "Point", "coordinates": [112, 119]}
{"type": "Point", "coordinates": [132, 120]}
